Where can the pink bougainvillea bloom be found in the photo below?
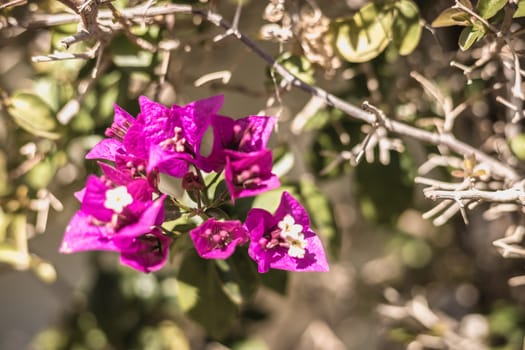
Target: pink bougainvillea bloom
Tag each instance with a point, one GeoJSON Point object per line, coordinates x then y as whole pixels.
{"type": "Point", "coordinates": [107, 148]}
{"type": "Point", "coordinates": [127, 164]}
{"type": "Point", "coordinates": [119, 218]}
{"type": "Point", "coordinates": [248, 174]}
{"type": "Point", "coordinates": [284, 240]}
{"type": "Point", "coordinates": [217, 239]}
{"type": "Point", "coordinates": [145, 253]}
{"type": "Point", "coordinates": [245, 135]}
{"type": "Point", "coordinates": [170, 138]}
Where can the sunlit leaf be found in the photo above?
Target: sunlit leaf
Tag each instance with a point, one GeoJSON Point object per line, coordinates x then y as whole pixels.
{"type": "Point", "coordinates": [517, 145]}
{"type": "Point", "coordinates": [5, 186]}
{"type": "Point", "coordinates": [270, 200]}
{"type": "Point", "coordinates": [520, 12]}
{"type": "Point", "coordinates": [451, 17]}
{"type": "Point", "coordinates": [32, 114]}
{"type": "Point", "coordinates": [298, 66]}
{"type": "Point", "coordinates": [251, 344]}
{"type": "Point", "coordinates": [365, 35]}
{"type": "Point", "coordinates": [406, 29]}
{"type": "Point", "coordinates": [469, 36]}
{"type": "Point", "coordinates": [488, 8]}
{"type": "Point", "coordinates": [14, 252]}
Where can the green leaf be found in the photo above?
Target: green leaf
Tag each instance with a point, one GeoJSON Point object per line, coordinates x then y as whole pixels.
{"type": "Point", "coordinates": [5, 186]}
{"type": "Point", "coordinates": [270, 200]}
{"type": "Point", "coordinates": [32, 114]}
{"type": "Point", "coordinates": [488, 8]}
{"type": "Point", "coordinates": [276, 280]}
{"type": "Point", "coordinates": [470, 35]}
{"type": "Point", "coordinates": [451, 17]}
{"type": "Point", "coordinates": [41, 174]}
{"type": "Point", "coordinates": [406, 29]}
{"type": "Point", "coordinates": [15, 253]}
{"type": "Point", "coordinates": [517, 145]}
{"type": "Point", "coordinates": [298, 66]}
{"type": "Point", "coordinates": [382, 190]}
{"type": "Point", "coordinates": [520, 12]}
{"type": "Point", "coordinates": [202, 296]}
{"type": "Point", "coordinates": [365, 35]}
{"type": "Point", "coordinates": [239, 276]}
{"type": "Point", "coordinates": [321, 213]}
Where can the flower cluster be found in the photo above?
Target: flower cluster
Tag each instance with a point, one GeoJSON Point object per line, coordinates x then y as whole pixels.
{"type": "Point", "coordinates": [124, 210]}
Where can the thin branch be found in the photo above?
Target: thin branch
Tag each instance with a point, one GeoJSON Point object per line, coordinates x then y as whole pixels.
{"type": "Point", "coordinates": [496, 167]}
{"type": "Point", "coordinates": [512, 195]}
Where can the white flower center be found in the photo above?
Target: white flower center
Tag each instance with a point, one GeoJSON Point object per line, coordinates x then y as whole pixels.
{"type": "Point", "coordinates": [293, 235]}
{"type": "Point", "coordinates": [117, 198]}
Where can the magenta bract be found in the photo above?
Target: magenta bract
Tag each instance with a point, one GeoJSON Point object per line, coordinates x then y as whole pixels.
{"type": "Point", "coordinates": [217, 239]}
{"type": "Point", "coordinates": [284, 240]}
{"type": "Point", "coordinates": [119, 218]}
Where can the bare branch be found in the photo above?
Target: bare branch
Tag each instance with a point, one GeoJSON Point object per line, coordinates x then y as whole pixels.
{"type": "Point", "coordinates": [511, 195]}
{"type": "Point", "coordinates": [497, 168]}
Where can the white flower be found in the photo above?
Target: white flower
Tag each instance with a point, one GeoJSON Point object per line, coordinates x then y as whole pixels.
{"type": "Point", "coordinates": [117, 198]}
{"type": "Point", "coordinates": [293, 235]}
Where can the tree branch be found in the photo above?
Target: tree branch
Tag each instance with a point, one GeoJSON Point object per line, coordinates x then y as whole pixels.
{"type": "Point", "coordinates": [497, 168]}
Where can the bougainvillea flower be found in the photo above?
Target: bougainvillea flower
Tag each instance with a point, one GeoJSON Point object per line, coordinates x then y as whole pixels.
{"type": "Point", "coordinates": [107, 148]}
{"type": "Point", "coordinates": [145, 253]}
{"type": "Point", "coordinates": [248, 134]}
{"type": "Point", "coordinates": [119, 218]}
{"type": "Point", "coordinates": [170, 138]}
{"type": "Point", "coordinates": [127, 164]}
{"type": "Point", "coordinates": [284, 240]}
{"type": "Point", "coordinates": [217, 239]}
{"type": "Point", "coordinates": [248, 174]}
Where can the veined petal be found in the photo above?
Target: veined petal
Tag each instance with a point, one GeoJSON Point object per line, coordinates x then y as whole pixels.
{"type": "Point", "coordinates": [174, 164]}
{"type": "Point", "coordinates": [196, 116]}
{"type": "Point", "coordinates": [105, 149]}
{"type": "Point", "coordinates": [82, 235]}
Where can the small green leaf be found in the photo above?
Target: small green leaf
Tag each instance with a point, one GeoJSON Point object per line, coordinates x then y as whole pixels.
{"type": "Point", "coordinates": [203, 297]}
{"type": "Point", "coordinates": [41, 174]}
{"type": "Point", "coordinates": [406, 29]}
{"type": "Point", "coordinates": [365, 35]}
{"type": "Point", "coordinates": [298, 66]}
{"type": "Point", "coordinates": [488, 8]}
{"type": "Point", "coordinates": [5, 186]}
{"type": "Point", "coordinates": [517, 145]}
{"type": "Point", "coordinates": [270, 200]}
{"type": "Point", "coordinates": [451, 17]}
{"type": "Point", "coordinates": [470, 35]}
{"type": "Point", "coordinates": [520, 12]}
{"type": "Point", "coordinates": [32, 114]}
